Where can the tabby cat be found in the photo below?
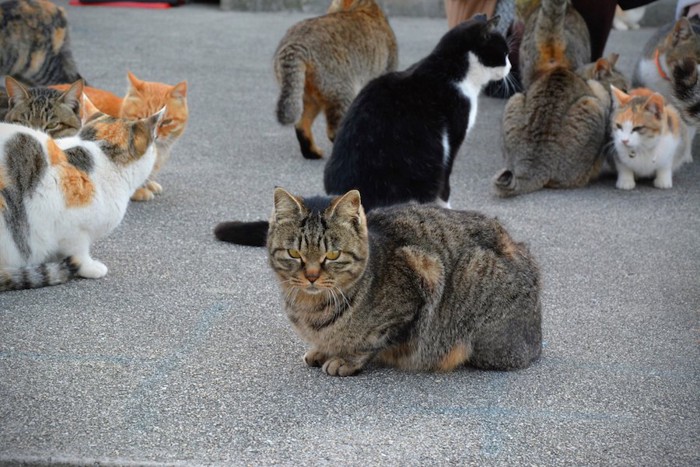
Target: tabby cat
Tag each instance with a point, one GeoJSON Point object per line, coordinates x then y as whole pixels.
{"type": "Point", "coordinates": [58, 196]}
{"type": "Point", "coordinates": [54, 112]}
{"type": "Point", "coordinates": [650, 138]}
{"type": "Point", "coordinates": [555, 132]}
{"type": "Point", "coordinates": [322, 63]}
{"type": "Point", "coordinates": [670, 44]}
{"type": "Point", "coordinates": [686, 90]}
{"type": "Point", "coordinates": [604, 71]}
{"type": "Point", "coordinates": [144, 98]}
{"type": "Point", "coordinates": [413, 286]}
{"type": "Point", "coordinates": [402, 133]}
{"type": "Point", "coordinates": [34, 43]}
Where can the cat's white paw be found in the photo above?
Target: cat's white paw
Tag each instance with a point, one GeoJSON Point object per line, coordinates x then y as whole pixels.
{"type": "Point", "coordinates": [154, 187]}
{"type": "Point", "coordinates": [663, 182]}
{"type": "Point", "coordinates": [92, 270]}
{"type": "Point", "coordinates": [625, 183]}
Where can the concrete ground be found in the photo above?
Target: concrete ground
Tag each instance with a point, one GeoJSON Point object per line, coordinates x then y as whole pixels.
{"type": "Point", "coordinates": [182, 354]}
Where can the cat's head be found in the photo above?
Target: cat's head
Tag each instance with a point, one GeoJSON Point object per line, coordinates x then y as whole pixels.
{"type": "Point", "coordinates": [317, 245]}
{"type": "Point", "coordinates": [603, 70]}
{"type": "Point", "coordinates": [473, 50]}
{"type": "Point", "coordinates": [144, 98]}
{"type": "Point", "coordinates": [53, 112]}
{"type": "Point", "coordinates": [124, 141]}
{"type": "Point", "coordinates": [638, 119]}
{"type": "Point", "coordinates": [683, 41]}
{"type": "Point", "coordinates": [346, 5]}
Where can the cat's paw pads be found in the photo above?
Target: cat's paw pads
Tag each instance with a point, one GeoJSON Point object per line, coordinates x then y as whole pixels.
{"type": "Point", "coordinates": [154, 187]}
{"type": "Point", "coordinates": [92, 270]}
{"type": "Point", "coordinates": [625, 184]}
{"type": "Point", "coordinates": [314, 358]}
{"type": "Point", "coordinates": [142, 194]}
{"type": "Point", "coordinates": [663, 183]}
{"type": "Point", "coordinates": [336, 366]}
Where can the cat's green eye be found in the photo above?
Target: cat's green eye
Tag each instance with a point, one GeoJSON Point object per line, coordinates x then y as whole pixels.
{"type": "Point", "coordinates": [333, 255]}
{"type": "Point", "coordinates": [294, 253]}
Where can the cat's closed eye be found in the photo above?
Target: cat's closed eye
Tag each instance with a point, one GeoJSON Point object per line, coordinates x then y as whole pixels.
{"type": "Point", "coordinates": [618, 126]}
{"type": "Point", "coordinates": [637, 129]}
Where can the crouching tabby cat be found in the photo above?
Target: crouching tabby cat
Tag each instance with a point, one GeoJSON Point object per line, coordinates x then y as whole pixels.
{"type": "Point", "coordinates": [414, 286]}
{"type": "Point", "coordinates": [58, 196]}
{"type": "Point", "coordinates": [322, 63]}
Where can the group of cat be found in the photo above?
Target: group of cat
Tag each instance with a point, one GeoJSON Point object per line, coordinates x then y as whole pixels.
{"type": "Point", "coordinates": [71, 155]}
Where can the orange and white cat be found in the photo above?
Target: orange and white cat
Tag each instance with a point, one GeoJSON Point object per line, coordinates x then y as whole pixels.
{"type": "Point", "coordinates": [144, 98]}
{"type": "Point", "coordinates": [58, 196]}
{"type": "Point", "coordinates": [650, 138]}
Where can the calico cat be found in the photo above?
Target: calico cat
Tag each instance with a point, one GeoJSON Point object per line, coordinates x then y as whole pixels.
{"type": "Point", "coordinates": [144, 98]}
{"type": "Point", "coordinates": [668, 46]}
{"type": "Point", "coordinates": [650, 138]}
{"type": "Point", "coordinates": [401, 135]}
{"type": "Point", "coordinates": [418, 287]}
{"type": "Point", "coordinates": [555, 35]}
{"type": "Point", "coordinates": [53, 112]}
{"type": "Point", "coordinates": [58, 196]}
{"type": "Point", "coordinates": [555, 132]}
{"type": "Point", "coordinates": [686, 91]}
{"type": "Point", "coordinates": [34, 43]}
{"type": "Point", "coordinates": [322, 63]}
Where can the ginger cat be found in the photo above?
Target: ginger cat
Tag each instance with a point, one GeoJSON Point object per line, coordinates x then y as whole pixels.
{"type": "Point", "coordinates": [144, 98]}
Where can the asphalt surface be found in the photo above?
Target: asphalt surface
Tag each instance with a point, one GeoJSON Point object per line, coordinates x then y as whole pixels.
{"type": "Point", "coordinates": [182, 354]}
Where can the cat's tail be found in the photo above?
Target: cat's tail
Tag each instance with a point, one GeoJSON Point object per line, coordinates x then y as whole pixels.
{"type": "Point", "coordinates": [243, 233]}
{"type": "Point", "coordinates": [549, 35]}
{"type": "Point", "coordinates": [42, 275]}
{"type": "Point", "coordinates": [290, 69]}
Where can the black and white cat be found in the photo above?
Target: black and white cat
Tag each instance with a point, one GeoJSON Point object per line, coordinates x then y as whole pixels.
{"type": "Point", "coordinates": [399, 138]}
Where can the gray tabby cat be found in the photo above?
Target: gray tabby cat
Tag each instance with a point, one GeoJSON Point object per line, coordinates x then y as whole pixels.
{"type": "Point", "coordinates": [554, 133]}
{"type": "Point", "coordinates": [414, 286]}
{"type": "Point", "coordinates": [53, 112]}
{"type": "Point", "coordinates": [686, 90]}
{"type": "Point", "coordinates": [34, 43]}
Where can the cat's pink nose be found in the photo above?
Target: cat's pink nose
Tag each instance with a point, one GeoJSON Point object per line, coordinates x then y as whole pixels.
{"type": "Point", "coordinates": [312, 275]}
{"type": "Point", "coordinates": [626, 142]}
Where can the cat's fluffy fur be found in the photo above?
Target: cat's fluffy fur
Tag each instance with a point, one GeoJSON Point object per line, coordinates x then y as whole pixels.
{"type": "Point", "coordinates": [402, 133]}
{"type": "Point", "coordinates": [650, 138]}
{"type": "Point", "coordinates": [58, 196]}
{"type": "Point", "coordinates": [554, 133]}
{"type": "Point", "coordinates": [686, 90]}
{"type": "Point", "coordinates": [322, 63]}
{"type": "Point", "coordinates": [413, 286]}
{"type": "Point", "coordinates": [43, 25]}
{"type": "Point", "coordinates": [57, 113]}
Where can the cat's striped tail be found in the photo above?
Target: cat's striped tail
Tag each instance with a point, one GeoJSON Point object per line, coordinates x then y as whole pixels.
{"type": "Point", "coordinates": [42, 275]}
{"type": "Point", "coordinates": [549, 35]}
{"type": "Point", "coordinates": [243, 233]}
{"type": "Point", "coordinates": [290, 69]}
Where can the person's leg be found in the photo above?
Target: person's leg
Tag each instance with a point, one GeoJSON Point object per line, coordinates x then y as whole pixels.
{"type": "Point", "coordinates": [598, 15]}
{"type": "Point", "coordinates": [461, 10]}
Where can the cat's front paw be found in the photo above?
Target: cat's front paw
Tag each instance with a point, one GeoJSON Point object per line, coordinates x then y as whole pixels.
{"type": "Point", "coordinates": [336, 366]}
{"type": "Point", "coordinates": [625, 183]}
{"type": "Point", "coordinates": [92, 269]}
{"type": "Point", "coordinates": [154, 187]}
{"type": "Point", "coordinates": [663, 181]}
{"type": "Point", "coordinates": [142, 194]}
{"type": "Point", "coordinates": [314, 358]}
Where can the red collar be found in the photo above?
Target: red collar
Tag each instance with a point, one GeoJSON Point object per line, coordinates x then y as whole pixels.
{"type": "Point", "coordinates": [661, 71]}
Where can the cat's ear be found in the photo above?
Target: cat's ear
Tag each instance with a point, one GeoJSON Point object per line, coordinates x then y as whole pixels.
{"type": "Point", "coordinates": [349, 208]}
{"type": "Point", "coordinates": [619, 97]}
{"type": "Point", "coordinates": [612, 59]}
{"type": "Point", "coordinates": [16, 92]}
{"type": "Point", "coordinates": [179, 91]}
{"type": "Point", "coordinates": [655, 104]}
{"type": "Point", "coordinates": [601, 69]}
{"type": "Point", "coordinates": [135, 83]}
{"type": "Point", "coordinates": [287, 206]}
{"type": "Point", "coordinates": [505, 180]}
{"type": "Point", "coordinates": [153, 122]}
{"type": "Point", "coordinates": [73, 95]}
{"type": "Point", "coordinates": [682, 31]}
{"type": "Point", "coordinates": [492, 23]}
{"type": "Point", "coordinates": [89, 110]}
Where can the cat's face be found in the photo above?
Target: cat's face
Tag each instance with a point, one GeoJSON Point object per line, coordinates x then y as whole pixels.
{"type": "Point", "coordinates": [603, 70]}
{"type": "Point", "coordinates": [317, 246]}
{"type": "Point", "coordinates": [637, 120]}
{"type": "Point", "coordinates": [145, 98]}
{"type": "Point", "coordinates": [681, 42]}
{"type": "Point", "coordinates": [53, 112]}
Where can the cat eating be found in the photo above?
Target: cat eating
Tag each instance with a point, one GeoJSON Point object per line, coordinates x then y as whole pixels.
{"type": "Point", "coordinates": [58, 196]}
{"type": "Point", "coordinates": [401, 135]}
{"type": "Point", "coordinates": [413, 286]}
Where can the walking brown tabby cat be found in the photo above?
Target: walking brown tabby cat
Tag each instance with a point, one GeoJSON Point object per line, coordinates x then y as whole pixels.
{"type": "Point", "coordinates": [414, 286]}
{"type": "Point", "coordinates": [322, 63]}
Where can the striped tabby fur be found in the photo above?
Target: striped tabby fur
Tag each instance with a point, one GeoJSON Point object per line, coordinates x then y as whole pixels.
{"type": "Point", "coordinates": [58, 196]}
{"type": "Point", "coordinates": [414, 286]}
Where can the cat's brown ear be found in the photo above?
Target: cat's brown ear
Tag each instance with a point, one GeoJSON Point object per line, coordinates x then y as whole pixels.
{"type": "Point", "coordinates": [135, 82]}
{"type": "Point", "coordinates": [601, 68]}
{"type": "Point", "coordinates": [655, 104]}
{"type": "Point", "coordinates": [287, 206]}
{"type": "Point", "coordinates": [349, 207]}
{"type": "Point", "coordinates": [179, 91]}
{"type": "Point", "coordinates": [619, 96]}
{"type": "Point", "coordinates": [15, 91]}
{"type": "Point", "coordinates": [73, 95]}
{"type": "Point", "coordinates": [682, 31]}
{"type": "Point", "coordinates": [612, 59]}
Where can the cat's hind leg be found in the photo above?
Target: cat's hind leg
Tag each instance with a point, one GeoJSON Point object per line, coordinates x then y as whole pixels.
{"type": "Point", "coordinates": [335, 111]}
{"type": "Point", "coordinates": [303, 128]}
